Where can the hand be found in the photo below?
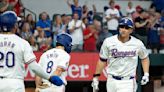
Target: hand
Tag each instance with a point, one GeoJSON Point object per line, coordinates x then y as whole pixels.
{"type": "Point", "coordinates": [145, 79]}
{"type": "Point", "coordinates": [37, 90]}
{"type": "Point", "coordinates": [56, 80]}
{"type": "Point", "coordinates": [95, 84]}
{"type": "Point", "coordinates": [43, 86]}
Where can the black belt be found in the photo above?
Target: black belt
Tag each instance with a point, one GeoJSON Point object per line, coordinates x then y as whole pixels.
{"type": "Point", "coordinates": [2, 77]}
{"type": "Point", "coordinates": [121, 78]}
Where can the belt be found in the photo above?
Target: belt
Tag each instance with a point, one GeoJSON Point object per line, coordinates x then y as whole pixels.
{"type": "Point", "coordinates": [2, 77]}
{"type": "Point", "coordinates": [122, 78]}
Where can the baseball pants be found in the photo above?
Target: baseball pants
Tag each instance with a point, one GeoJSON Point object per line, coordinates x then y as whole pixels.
{"type": "Point", "coordinates": [11, 85]}
{"type": "Point", "coordinates": [121, 85]}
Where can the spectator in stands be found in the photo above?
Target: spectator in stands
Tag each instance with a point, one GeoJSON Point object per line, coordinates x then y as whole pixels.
{"type": "Point", "coordinates": [97, 24]}
{"type": "Point", "coordinates": [102, 33]}
{"type": "Point", "coordinates": [97, 16]}
{"type": "Point", "coordinates": [136, 13]}
{"type": "Point", "coordinates": [130, 9]}
{"type": "Point", "coordinates": [162, 30]}
{"type": "Point", "coordinates": [85, 11]}
{"type": "Point", "coordinates": [29, 19]}
{"type": "Point", "coordinates": [90, 37]}
{"type": "Point", "coordinates": [33, 43]}
{"type": "Point", "coordinates": [64, 19]}
{"type": "Point", "coordinates": [5, 6]}
{"type": "Point", "coordinates": [119, 9]}
{"type": "Point", "coordinates": [57, 27]}
{"type": "Point", "coordinates": [153, 33]}
{"type": "Point", "coordinates": [43, 42]}
{"type": "Point", "coordinates": [89, 14]}
{"type": "Point", "coordinates": [112, 16]}
{"type": "Point", "coordinates": [75, 7]}
{"type": "Point", "coordinates": [85, 21]}
{"type": "Point", "coordinates": [152, 9]}
{"type": "Point", "coordinates": [104, 21]}
{"type": "Point", "coordinates": [44, 24]}
{"type": "Point", "coordinates": [76, 28]}
{"type": "Point", "coordinates": [17, 5]}
{"type": "Point", "coordinates": [26, 32]}
{"type": "Point", "coordinates": [68, 19]}
{"type": "Point", "coordinates": [158, 4]}
{"type": "Point", "coordinates": [141, 24]}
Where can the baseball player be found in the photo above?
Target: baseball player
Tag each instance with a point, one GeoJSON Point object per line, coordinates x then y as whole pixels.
{"type": "Point", "coordinates": [55, 62]}
{"type": "Point", "coordinates": [120, 53]}
{"type": "Point", "coordinates": [14, 53]}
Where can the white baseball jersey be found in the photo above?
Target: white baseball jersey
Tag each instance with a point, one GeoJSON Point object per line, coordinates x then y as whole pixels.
{"type": "Point", "coordinates": [52, 59]}
{"type": "Point", "coordinates": [14, 53]}
{"type": "Point", "coordinates": [122, 58]}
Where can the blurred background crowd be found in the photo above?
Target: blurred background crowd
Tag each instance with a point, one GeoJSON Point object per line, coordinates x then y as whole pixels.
{"type": "Point", "coordinates": [88, 27]}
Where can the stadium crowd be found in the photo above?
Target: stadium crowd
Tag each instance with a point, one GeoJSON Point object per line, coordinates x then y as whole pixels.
{"type": "Point", "coordinates": [88, 28]}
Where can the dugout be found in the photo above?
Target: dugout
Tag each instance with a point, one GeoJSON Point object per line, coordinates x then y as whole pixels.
{"type": "Point", "coordinates": [80, 73]}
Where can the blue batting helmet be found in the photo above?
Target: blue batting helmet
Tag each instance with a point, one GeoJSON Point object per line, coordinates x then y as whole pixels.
{"type": "Point", "coordinates": [8, 20]}
{"type": "Point", "coordinates": [127, 22]}
{"type": "Point", "coordinates": [65, 40]}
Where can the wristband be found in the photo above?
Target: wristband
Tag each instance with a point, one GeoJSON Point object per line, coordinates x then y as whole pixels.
{"type": "Point", "coordinates": [96, 75]}
{"type": "Point", "coordinates": [146, 74]}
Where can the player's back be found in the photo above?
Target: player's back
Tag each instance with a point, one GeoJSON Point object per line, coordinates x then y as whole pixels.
{"type": "Point", "coordinates": [14, 52]}
{"type": "Point", "coordinates": [54, 58]}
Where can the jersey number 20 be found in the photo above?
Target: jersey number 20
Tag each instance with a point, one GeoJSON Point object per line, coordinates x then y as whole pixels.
{"type": "Point", "coordinates": [9, 59]}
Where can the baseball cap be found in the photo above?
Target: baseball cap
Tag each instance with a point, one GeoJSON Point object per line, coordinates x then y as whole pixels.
{"type": "Point", "coordinates": [8, 20]}
{"type": "Point", "coordinates": [126, 21]}
{"type": "Point", "coordinates": [12, 15]}
{"type": "Point", "coordinates": [138, 7]}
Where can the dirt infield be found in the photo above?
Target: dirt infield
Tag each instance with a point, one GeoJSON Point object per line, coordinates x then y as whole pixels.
{"type": "Point", "coordinates": [30, 89]}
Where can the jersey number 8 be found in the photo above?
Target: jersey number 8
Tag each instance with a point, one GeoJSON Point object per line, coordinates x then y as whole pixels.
{"type": "Point", "coordinates": [49, 66]}
{"type": "Point", "coordinates": [5, 57]}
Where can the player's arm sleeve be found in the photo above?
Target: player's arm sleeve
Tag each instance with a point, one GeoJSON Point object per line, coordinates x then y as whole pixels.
{"type": "Point", "coordinates": [142, 51]}
{"type": "Point", "coordinates": [143, 55]}
{"type": "Point", "coordinates": [64, 62]}
{"type": "Point", "coordinates": [37, 69]}
{"type": "Point", "coordinates": [104, 51]}
{"type": "Point", "coordinates": [28, 54]}
{"type": "Point", "coordinates": [30, 59]}
{"type": "Point", "coordinates": [38, 79]}
{"type": "Point", "coordinates": [62, 65]}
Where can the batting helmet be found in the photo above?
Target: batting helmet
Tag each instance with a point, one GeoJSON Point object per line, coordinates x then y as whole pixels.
{"type": "Point", "coordinates": [65, 40]}
{"type": "Point", "coordinates": [126, 21]}
{"type": "Point", "coordinates": [8, 20]}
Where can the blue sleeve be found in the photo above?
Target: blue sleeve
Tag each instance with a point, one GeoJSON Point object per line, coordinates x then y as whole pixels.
{"type": "Point", "coordinates": [38, 24]}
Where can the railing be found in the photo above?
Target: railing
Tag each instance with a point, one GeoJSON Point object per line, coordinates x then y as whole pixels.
{"type": "Point", "coordinates": [30, 11]}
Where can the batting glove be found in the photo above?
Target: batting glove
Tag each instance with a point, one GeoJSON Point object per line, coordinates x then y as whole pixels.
{"type": "Point", "coordinates": [145, 79]}
{"type": "Point", "coordinates": [95, 84]}
{"type": "Point", "coordinates": [56, 80]}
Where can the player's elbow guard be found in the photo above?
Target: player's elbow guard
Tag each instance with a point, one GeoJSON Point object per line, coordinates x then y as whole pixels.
{"type": "Point", "coordinates": [56, 80]}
